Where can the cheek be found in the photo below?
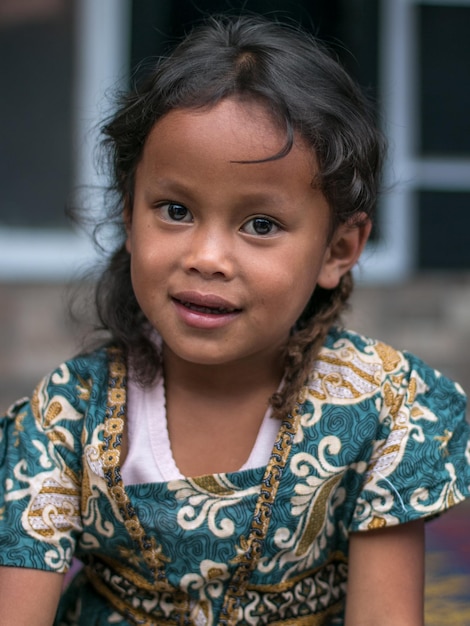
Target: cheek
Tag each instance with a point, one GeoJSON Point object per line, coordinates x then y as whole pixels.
{"type": "Point", "coordinates": [149, 251]}
{"type": "Point", "coordinates": [149, 266]}
{"type": "Point", "coordinates": [285, 289]}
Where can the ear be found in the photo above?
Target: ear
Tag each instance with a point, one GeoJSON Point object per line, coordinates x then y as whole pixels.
{"type": "Point", "coordinates": [343, 251]}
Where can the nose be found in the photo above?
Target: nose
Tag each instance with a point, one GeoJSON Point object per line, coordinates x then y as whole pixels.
{"type": "Point", "coordinates": [210, 253]}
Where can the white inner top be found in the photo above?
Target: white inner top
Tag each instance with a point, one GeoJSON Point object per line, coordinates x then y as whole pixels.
{"type": "Point", "coordinates": [150, 459]}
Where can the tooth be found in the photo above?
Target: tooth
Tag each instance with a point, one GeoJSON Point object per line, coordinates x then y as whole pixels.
{"type": "Point", "coordinates": [208, 309]}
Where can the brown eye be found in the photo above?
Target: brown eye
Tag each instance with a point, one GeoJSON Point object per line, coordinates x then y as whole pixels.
{"type": "Point", "coordinates": [261, 226]}
{"type": "Point", "coordinates": [177, 212]}
{"type": "Point", "coordinates": [174, 212]}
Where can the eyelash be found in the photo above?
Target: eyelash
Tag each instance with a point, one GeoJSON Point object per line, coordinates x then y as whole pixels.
{"type": "Point", "coordinates": [166, 208]}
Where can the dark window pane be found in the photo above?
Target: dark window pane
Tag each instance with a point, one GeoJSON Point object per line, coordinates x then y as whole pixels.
{"type": "Point", "coordinates": [36, 60]}
{"type": "Point", "coordinates": [444, 226]}
{"type": "Point", "coordinates": [445, 80]}
{"type": "Point", "coordinates": [350, 27]}
{"type": "Point", "coordinates": [154, 25]}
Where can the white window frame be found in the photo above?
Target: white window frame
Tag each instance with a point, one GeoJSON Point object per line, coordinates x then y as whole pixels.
{"type": "Point", "coordinates": [393, 257]}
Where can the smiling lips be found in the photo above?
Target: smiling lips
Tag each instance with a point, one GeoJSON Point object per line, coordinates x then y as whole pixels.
{"type": "Point", "coordinates": [204, 311]}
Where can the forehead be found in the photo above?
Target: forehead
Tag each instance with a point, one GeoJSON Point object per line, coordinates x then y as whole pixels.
{"type": "Point", "coordinates": [240, 130]}
{"type": "Point", "coordinates": [231, 132]}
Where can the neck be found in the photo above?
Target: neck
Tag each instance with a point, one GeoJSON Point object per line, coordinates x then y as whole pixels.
{"type": "Point", "coordinates": [237, 379]}
{"type": "Point", "coordinates": [214, 412]}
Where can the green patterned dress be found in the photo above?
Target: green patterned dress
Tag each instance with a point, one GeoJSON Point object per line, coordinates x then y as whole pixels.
{"type": "Point", "coordinates": [378, 438]}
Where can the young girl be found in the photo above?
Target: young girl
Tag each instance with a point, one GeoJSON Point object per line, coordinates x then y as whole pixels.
{"type": "Point", "coordinates": [232, 456]}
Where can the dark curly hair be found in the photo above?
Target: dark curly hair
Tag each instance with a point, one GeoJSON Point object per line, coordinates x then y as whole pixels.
{"type": "Point", "coordinates": [308, 93]}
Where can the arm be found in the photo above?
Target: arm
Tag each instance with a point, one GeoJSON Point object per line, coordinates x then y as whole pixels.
{"type": "Point", "coordinates": [386, 577]}
{"type": "Point", "coordinates": [28, 597]}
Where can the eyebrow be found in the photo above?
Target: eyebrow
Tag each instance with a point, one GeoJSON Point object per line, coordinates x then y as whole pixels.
{"type": "Point", "coordinates": [170, 186]}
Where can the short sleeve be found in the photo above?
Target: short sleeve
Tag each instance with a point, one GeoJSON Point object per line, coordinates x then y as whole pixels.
{"type": "Point", "coordinates": [40, 452]}
{"type": "Point", "coordinates": [420, 464]}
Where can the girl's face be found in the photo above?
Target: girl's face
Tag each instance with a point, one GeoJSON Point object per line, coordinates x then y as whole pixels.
{"type": "Point", "coordinates": [225, 255]}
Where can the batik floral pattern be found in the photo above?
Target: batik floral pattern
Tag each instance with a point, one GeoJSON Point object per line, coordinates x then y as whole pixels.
{"type": "Point", "coordinates": [378, 438]}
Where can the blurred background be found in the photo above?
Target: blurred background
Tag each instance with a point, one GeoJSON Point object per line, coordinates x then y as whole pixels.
{"type": "Point", "coordinates": [61, 60]}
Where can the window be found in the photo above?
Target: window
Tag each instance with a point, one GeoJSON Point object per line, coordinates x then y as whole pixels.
{"type": "Point", "coordinates": [57, 59]}
{"type": "Point", "coordinates": [36, 59]}
{"type": "Point", "coordinates": [425, 55]}
{"type": "Point", "coordinates": [443, 143]}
